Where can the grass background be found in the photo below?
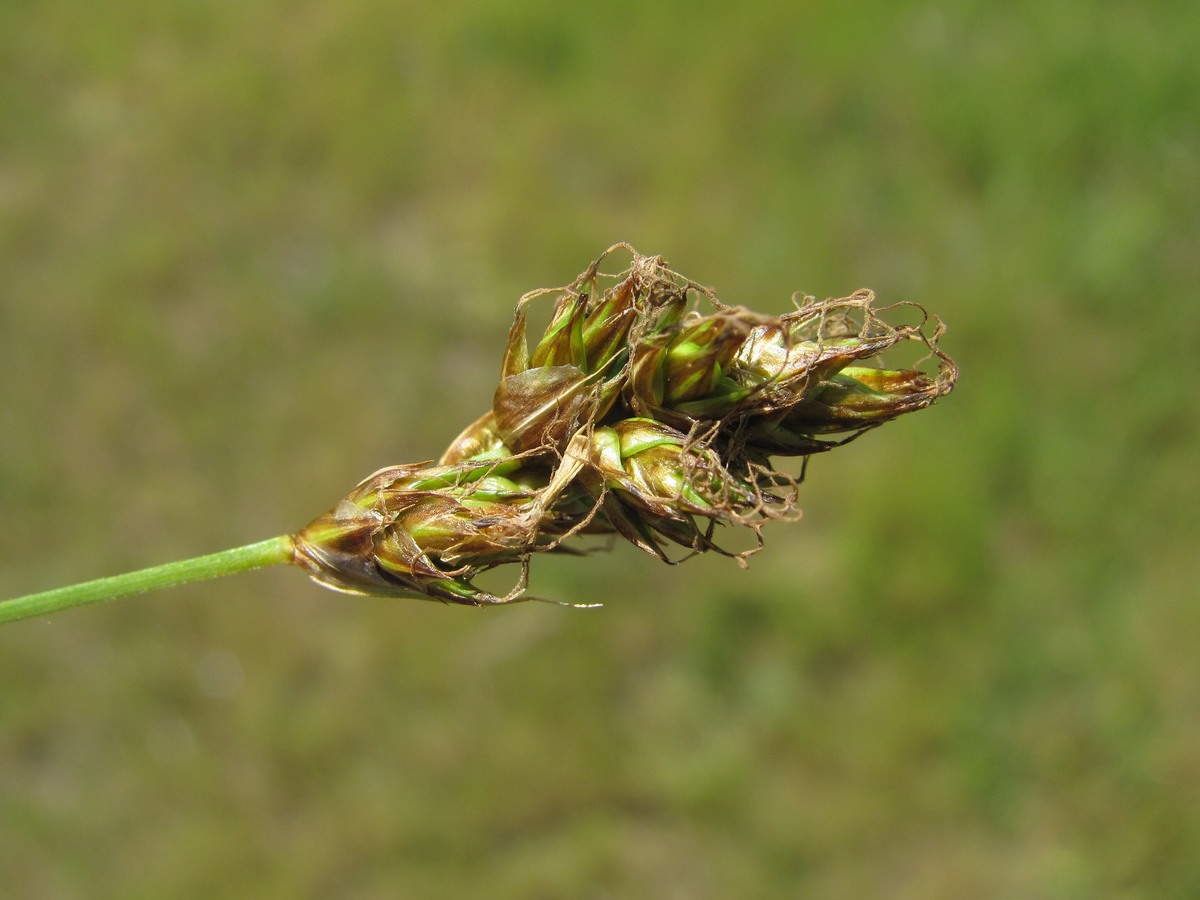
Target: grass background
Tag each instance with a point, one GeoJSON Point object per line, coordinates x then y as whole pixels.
{"type": "Point", "coordinates": [251, 252]}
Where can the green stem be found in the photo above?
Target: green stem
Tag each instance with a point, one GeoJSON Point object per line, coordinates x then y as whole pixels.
{"type": "Point", "coordinates": [273, 552]}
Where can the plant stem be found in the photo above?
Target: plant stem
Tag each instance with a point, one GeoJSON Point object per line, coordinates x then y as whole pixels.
{"type": "Point", "coordinates": [273, 552]}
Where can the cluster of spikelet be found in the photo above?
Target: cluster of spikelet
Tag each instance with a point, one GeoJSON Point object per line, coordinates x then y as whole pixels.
{"type": "Point", "coordinates": [648, 410]}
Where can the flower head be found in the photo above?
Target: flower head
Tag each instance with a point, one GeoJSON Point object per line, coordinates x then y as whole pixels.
{"type": "Point", "coordinates": [634, 413]}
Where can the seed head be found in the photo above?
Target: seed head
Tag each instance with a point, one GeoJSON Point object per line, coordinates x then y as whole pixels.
{"type": "Point", "coordinates": [633, 414]}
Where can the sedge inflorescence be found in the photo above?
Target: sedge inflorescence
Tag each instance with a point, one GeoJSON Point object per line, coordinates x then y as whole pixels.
{"type": "Point", "coordinates": [647, 409]}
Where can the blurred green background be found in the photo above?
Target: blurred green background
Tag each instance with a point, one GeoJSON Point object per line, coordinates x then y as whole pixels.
{"type": "Point", "coordinates": [251, 252]}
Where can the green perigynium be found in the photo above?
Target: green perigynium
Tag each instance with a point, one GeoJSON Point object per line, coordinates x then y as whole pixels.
{"type": "Point", "coordinates": [646, 409]}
